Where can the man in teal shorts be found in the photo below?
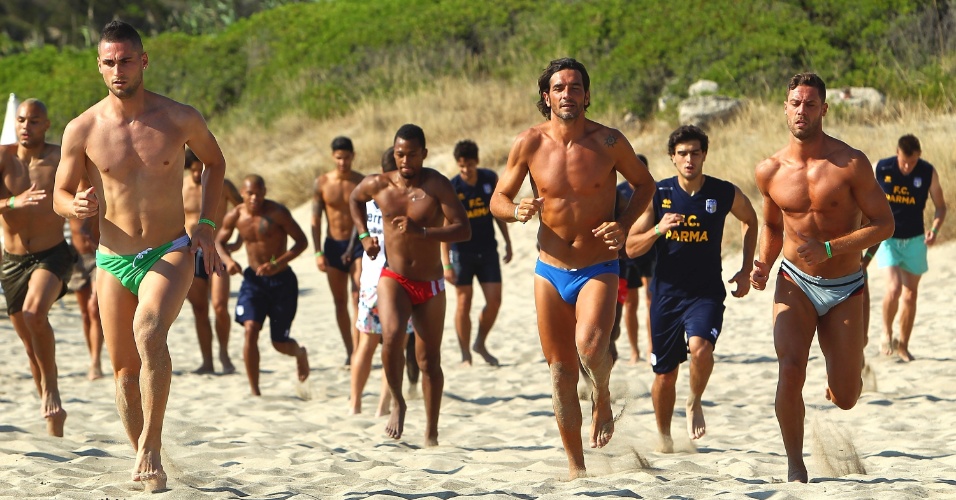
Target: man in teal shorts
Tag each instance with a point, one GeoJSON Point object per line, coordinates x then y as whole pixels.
{"type": "Point", "coordinates": [908, 181]}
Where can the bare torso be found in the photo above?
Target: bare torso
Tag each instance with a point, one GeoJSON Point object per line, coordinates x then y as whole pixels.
{"type": "Point", "coordinates": [334, 189]}
{"type": "Point", "coordinates": [30, 229]}
{"type": "Point", "coordinates": [817, 201]}
{"type": "Point", "coordinates": [265, 239]}
{"type": "Point", "coordinates": [407, 253]}
{"type": "Point", "coordinates": [192, 201]}
{"type": "Point", "coordinates": [577, 182]}
{"type": "Point", "coordinates": [136, 169]}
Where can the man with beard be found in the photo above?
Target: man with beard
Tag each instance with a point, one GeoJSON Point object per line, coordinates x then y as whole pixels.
{"type": "Point", "coordinates": [131, 145]}
{"type": "Point", "coordinates": [37, 261]}
{"type": "Point", "coordinates": [817, 192]}
{"type": "Point", "coordinates": [420, 210]}
{"type": "Point", "coordinates": [573, 163]}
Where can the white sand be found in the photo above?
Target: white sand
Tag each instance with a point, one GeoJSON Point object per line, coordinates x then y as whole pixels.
{"type": "Point", "coordinates": [497, 431]}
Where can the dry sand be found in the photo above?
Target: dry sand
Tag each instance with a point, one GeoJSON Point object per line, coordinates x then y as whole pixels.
{"type": "Point", "coordinates": [497, 430]}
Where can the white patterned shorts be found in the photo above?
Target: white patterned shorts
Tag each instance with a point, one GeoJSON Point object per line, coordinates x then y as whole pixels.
{"type": "Point", "coordinates": [367, 318]}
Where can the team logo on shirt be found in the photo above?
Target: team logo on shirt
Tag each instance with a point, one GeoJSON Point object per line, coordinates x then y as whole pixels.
{"type": "Point", "coordinates": [487, 188]}
{"type": "Point", "coordinates": [917, 182]}
{"type": "Point", "coordinates": [888, 179]}
{"type": "Point", "coordinates": [711, 205]}
{"type": "Point", "coordinates": [666, 203]}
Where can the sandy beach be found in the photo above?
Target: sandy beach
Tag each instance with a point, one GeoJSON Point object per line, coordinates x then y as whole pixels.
{"type": "Point", "coordinates": [497, 430]}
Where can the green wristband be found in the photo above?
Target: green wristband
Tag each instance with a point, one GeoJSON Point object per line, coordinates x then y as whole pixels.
{"type": "Point", "coordinates": [363, 235]}
{"type": "Point", "coordinates": [448, 266]}
{"type": "Point", "coordinates": [207, 222]}
{"type": "Point", "coordinates": [829, 252]}
{"type": "Point", "coordinates": [319, 254]}
{"type": "Point", "coordinates": [935, 230]}
{"type": "Point", "coordinates": [11, 201]}
{"type": "Point", "coordinates": [657, 230]}
{"type": "Point", "coordinates": [868, 255]}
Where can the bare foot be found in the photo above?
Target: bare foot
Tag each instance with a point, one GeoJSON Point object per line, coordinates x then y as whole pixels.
{"type": "Point", "coordinates": [797, 473]}
{"type": "Point", "coordinates": [665, 444]}
{"type": "Point", "coordinates": [355, 409]}
{"type": "Point", "coordinates": [302, 363]}
{"type": "Point", "coordinates": [696, 428]}
{"type": "Point", "coordinates": [483, 351]}
{"type": "Point", "coordinates": [95, 372]}
{"type": "Point", "coordinates": [466, 363]}
{"type": "Point", "coordinates": [888, 346]}
{"type": "Point", "coordinates": [635, 357]}
{"type": "Point", "coordinates": [431, 442]}
{"type": "Point", "coordinates": [904, 353]}
{"type": "Point", "coordinates": [204, 369]}
{"type": "Point", "coordinates": [149, 471]}
{"type": "Point", "coordinates": [578, 473]}
{"type": "Point", "coordinates": [227, 367]}
{"type": "Point", "coordinates": [396, 423]}
{"type": "Point", "coordinates": [602, 420]}
{"type": "Point", "coordinates": [54, 423]}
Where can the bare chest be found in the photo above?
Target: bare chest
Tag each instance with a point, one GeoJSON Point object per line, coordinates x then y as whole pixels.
{"type": "Point", "coordinates": [583, 170]}
{"type": "Point", "coordinates": [811, 190]}
{"type": "Point", "coordinates": [414, 203]}
{"type": "Point", "coordinates": [138, 151]}
{"type": "Point", "coordinates": [335, 193]}
{"type": "Point", "coordinates": [258, 228]}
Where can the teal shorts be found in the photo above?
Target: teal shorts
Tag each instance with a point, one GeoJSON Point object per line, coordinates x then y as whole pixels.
{"type": "Point", "coordinates": [908, 254]}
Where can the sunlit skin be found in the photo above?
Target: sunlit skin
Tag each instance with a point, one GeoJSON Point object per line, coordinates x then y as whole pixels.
{"type": "Point", "coordinates": [31, 226]}
{"type": "Point", "coordinates": [815, 190]}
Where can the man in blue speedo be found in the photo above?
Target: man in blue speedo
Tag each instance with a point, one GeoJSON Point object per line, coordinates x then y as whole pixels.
{"type": "Point", "coordinates": [907, 181]}
{"type": "Point", "coordinates": [478, 257]}
{"type": "Point", "coordinates": [685, 224]}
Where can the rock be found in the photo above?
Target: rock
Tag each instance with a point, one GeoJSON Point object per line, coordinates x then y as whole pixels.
{"type": "Point", "coordinates": [858, 97]}
{"type": "Point", "coordinates": [703, 87]}
{"type": "Point", "coordinates": [703, 110]}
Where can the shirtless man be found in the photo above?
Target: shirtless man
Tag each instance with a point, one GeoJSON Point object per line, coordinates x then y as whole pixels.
{"type": "Point", "coordinates": [203, 284]}
{"type": "Point", "coordinates": [573, 163]}
{"type": "Point", "coordinates": [816, 191]}
{"type": "Point", "coordinates": [131, 146]}
{"type": "Point", "coordinates": [331, 195]}
{"type": "Point", "coordinates": [269, 287]}
{"type": "Point", "coordinates": [420, 210]}
{"type": "Point", "coordinates": [685, 224]}
{"type": "Point", "coordinates": [85, 235]}
{"type": "Point", "coordinates": [37, 260]}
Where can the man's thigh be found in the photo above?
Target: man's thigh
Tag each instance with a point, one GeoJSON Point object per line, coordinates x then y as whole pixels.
{"type": "Point", "coordinates": [428, 319]}
{"type": "Point", "coordinates": [794, 322]}
{"type": "Point", "coordinates": [841, 337]}
{"type": "Point", "coordinates": [44, 289]}
{"type": "Point", "coordinates": [219, 284]}
{"type": "Point", "coordinates": [556, 323]}
{"type": "Point", "coordinates": [394, 310]}
{"type": "Point", "coordinates": [338, 282]}
{"type": "Point", "coordinates": [164, 288]}
{"type": "Point", "coordinates": [117, 320]}
{"type": "Point", "coordinates": [595, 309]}
{"type": "Point", "coordinates": [492, 292]}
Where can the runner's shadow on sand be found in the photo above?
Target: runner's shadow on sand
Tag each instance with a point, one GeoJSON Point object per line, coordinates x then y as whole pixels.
{"type": "Point", "coordinates": [490, 400]}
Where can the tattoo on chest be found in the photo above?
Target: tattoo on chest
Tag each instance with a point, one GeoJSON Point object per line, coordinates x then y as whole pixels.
{"type": "Point", "coordinates": [264, 223]}
{"type": "Point", "coordinates": [610, 141]}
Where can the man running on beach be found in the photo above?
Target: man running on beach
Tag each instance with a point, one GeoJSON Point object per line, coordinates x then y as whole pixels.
{"type": "Point", "coordinates": [685, 224]}
{"type": "Point", "coordinates": [131, 146]}
{"type": "Point", "coordinates": [331, 195]}
{"type": "Point", "coordinates": [908, 182]}
{"type": "Point", "coordinates": [477, 257]}
{"type": "Point", "coordinates": [573, 163]}
{"type": "Point", "coordinates": [203, 284]}
{"type": "Point", "coordinates": [269, 287]}
{"type": "Point", "coordinates": [37, 260]}
{"type": "Point", "coordinates": [816, 192]}
{"type": "Point", "coordinates": [419, 211]}
{"type": "Point", "coordinates": [85, 236]}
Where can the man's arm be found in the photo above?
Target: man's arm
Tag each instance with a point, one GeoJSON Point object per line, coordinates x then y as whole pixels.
{"type": "Point", "coordinates": [201, 141]}
{"type": "Point", "coordinates": [871, 199]}
{"type": "Point", "coordinates": [744, 211]}
{"type": "Point", "coordinates": [643, 234]}
{"type": "Point", "coordinates": [67, 202]}
{"type": "Point", "coordinates": [456, 226]}
{"type": "Point", "coordinates": [292, 228]}
{"type": "Point", "coordinates": [503, 227]}
{"type": "Point", "coordinates": [222, 239]}
{"type": "Point", "coordinates": [503, 206]}
{"type": "Point", "coordinates": [771, 235]}
{"type": "Point", "coordinates": [361, 195]}
{"type": "Point", "coordinates": [936, 194]}
{"type": "Point", "coordinates": [318, 206]}
{"type": "Point", "coordinates": [636, 173]}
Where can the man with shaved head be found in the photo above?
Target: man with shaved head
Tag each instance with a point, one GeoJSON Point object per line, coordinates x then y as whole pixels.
{"type": "Point", "coordinates": [37, 261]}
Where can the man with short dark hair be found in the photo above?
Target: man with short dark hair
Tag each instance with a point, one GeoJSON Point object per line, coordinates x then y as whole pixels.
{"type": "Point", "coordinates": [478, 257]}
{"type": "Point", "coordinates": [908, 181]}
{"type": "Point", "coordinates": [131, 146]}
{"type": "Point", "coordinates": [331, 195]}
{"type": "Point", "coordinates": [419, 211]}
{"type": "Point", "coordinates": [685, 225]}
{"type": "Point", "coordinates": [817, 193]}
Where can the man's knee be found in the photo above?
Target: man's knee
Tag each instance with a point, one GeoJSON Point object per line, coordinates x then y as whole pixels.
{"type": "Point", "coordinates": [846, 396]}
{"type": "Point", "coordinates": [563, 373]}
{"type": "Point", "coordinates": [909, 295]}
{"type": "Point", "coordinates": [701, 349]}
{"type": "Point", "coordinates": [668, 379]}
{"type": "Point", "coordinates": [792, 375]}
{"type": "Point", "coordinates": [34, 318]}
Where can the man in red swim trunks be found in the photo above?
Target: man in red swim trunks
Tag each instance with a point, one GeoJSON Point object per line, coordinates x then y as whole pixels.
{"type": "Point", "coordinates": [415, 204]}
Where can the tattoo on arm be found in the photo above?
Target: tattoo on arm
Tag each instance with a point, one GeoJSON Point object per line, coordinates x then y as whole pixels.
{"type": "Point", "coordinates": [610, 141]}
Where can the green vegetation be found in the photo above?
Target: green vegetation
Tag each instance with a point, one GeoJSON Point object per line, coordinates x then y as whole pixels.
{"type": "Point", "coordinates": [319, 59]}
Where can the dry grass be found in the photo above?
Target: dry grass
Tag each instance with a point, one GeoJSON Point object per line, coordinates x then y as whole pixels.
{"type": "Point", "coordinates": [294, 150]}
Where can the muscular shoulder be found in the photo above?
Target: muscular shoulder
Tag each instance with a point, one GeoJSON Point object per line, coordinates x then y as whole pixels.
{"type": "Point", "coordinates": [603, 134]}
{"type": "Point", "coordinates": [276, 209]}
{"type": "Point", "coordinates": [434, 177]}
{"type": "Point", "coordinates": [766, 169]}
{"type": "Point", "coordinates": [530, 140]}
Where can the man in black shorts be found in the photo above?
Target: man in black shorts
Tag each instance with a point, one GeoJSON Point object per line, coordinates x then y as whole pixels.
{"type": "Point", "coordinates": [478, 257]}
{"type": "Point", "coordinates": [269, 287]}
